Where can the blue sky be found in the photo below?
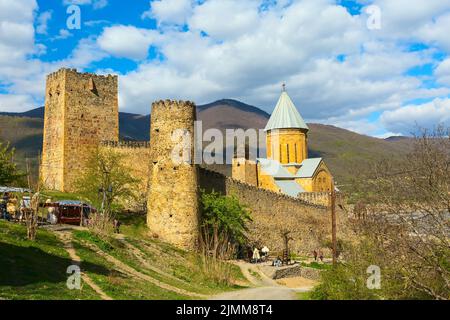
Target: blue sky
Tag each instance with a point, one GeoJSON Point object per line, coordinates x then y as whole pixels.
{"type": "Point", "coordinates": [376, 67]}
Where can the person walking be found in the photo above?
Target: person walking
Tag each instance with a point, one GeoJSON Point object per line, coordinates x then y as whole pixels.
{"type": "Point", "coordinates": [321, 256]}
{"type": "Point", "coordinates": [265, 252]}
{"type": "Point", "coordinates": [315, 255]}
{"type": "Point", "coordinates": [256, 256]}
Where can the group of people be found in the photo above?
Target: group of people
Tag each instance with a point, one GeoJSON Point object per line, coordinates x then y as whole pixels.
{"type": "Point", "coordinates": [260, 257]}
{"type": "Point", "coordinates": [318, 254]}
{"type": "Point", "coordinates": [9, 208]}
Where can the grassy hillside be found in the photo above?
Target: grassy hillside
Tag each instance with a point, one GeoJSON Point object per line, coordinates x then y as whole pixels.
{"type": "Point", "coordinates": [344, 151]}
{"type": "Point", "coordinates": [130, 267]}
{"type": "Point", "coordinates": [348, 153]}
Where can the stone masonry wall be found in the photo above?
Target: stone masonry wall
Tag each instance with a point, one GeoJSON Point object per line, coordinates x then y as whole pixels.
{"type": "Point", "coordinates": [135, 157]}
{"type": "Point", "coordinates": [52, 166]}
{"type": "Point", "coordinates": [273, 213]}
{"type": "Point", "coordinates": [81, 110]}
{"type": "Point", "coordinates": [173, 195]}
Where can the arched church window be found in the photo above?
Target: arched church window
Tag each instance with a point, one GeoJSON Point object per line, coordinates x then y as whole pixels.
{"type": "Point", "coordinates": [287, 153]}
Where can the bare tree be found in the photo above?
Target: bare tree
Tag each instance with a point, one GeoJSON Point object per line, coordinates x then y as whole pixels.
{"type": "Point", "coordinates": [407, 216]}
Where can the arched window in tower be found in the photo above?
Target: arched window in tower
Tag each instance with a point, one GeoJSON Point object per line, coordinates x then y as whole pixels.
{"type": "Point", "coordinates": [296, 153]}
{"type": "Point", "coordinates": [287, 154]}
{"type": "Point", "coordinates": [281, 155]}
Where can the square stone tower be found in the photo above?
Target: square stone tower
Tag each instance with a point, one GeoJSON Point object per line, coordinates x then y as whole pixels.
{"type": "Point", "coordinates": [81, 110]}
{"type": "Point", "coordinates": [173, 208]}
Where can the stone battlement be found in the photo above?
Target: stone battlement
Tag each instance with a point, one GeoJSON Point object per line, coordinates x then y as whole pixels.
{"type": "Point", "coordinates": [87, 75]}
{"type": "Point", "coordinates": [212, 176]}
{"type": "Point", "coordinates": [169, 110]}
{"type": "Point", "coordinates": [173, 104]}
{"type": "Point", "coordinates": [126, 144]}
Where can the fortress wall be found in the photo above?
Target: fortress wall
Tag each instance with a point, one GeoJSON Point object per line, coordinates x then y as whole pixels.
{"type": "Point", "coordinates": [320, 198]}
{"type": "Point", "coordinates": [274, 213]}
{"type": "Point", "coordinates": [135, 157]}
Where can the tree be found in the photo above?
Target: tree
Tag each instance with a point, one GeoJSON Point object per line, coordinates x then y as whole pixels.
{"type": "Point", "coordinates": [223, 225]}
{"type": "Point", "coordinates": [107, 182]}
{"type": "Point", "coordinates": [404, 229]}
{"type": "Point", "coordinates": [9, 173]}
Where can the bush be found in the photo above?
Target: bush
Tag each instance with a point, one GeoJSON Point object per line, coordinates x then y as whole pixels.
{"type": "Point", "coordinates": [223, 228]}
{"type": "Point", "coordinates": [223, 225]}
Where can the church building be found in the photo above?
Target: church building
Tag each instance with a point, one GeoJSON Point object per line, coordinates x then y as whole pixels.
{"type": "Point", "coordinates": [287, 168]}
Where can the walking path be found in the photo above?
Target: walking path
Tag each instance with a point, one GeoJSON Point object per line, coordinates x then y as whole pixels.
{"type": "Point", "coordinates": [124, 268]}
{"type": "Point", "coordinates": [265, 287]}
{"type": "Point", "coordinates": [66, 239]}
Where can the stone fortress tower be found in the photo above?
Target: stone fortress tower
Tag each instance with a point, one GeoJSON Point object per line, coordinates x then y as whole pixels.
{"type": "Point", "coordinates": [173, 209]}
{"type": "Point", "coordinates": [81, 110]}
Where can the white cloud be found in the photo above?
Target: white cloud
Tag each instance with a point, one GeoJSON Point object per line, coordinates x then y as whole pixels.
{"type": "Point", "coordinates": [16, 31]}
{"type": "Point", "coordinates": [213, 49]}
{"type": "Point", "coordinates": [127, 41]}
{"type": "Point", "coordinates": [436, 32]}
{"type": "Point", "coordinates": [42, 22]}
{"type": "Point", "coordinates": [96, 4]}
{"type": "Point", "coordinates": [63, 34]}
{"type": "Point", "coordinates": [169, 11]}
{"type": "Point", "coordinates": [16, 103]}
{"type": "Point", "coordinates": [226, 19]}
{"type": "Point", "coordinates": [442, 72]}
{"type": "Point", "coordinates": [427, 115]}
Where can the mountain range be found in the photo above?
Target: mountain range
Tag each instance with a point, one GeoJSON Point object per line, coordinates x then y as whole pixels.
{"type": "Point", "coordinates": [345, 152]}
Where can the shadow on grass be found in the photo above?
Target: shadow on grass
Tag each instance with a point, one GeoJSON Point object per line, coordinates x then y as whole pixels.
{"type": "Point", "coordinates": [21, 266]}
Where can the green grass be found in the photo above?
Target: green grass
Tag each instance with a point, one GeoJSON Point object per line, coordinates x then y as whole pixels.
{"type": "Point", "coordinates": [35, 270]}
{"type": "Point", "coordinates": [183, 269]}
{"type": "Point", "coordinates": [133, 224]}
{"type": "Point", "coordinates": [254, 274]}
{"type": "Point", "coordinates": [57, 195]}
{"type": "Point", "coordinates": [304, 295]}
{"type": "Point", "coordinates": [121, 286]}
{"type": "Point", "coordinates": [317, 265]}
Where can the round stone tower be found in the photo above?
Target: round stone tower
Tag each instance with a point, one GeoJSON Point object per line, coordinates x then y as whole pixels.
{"type": "Point", "coordinates": [173, 209]}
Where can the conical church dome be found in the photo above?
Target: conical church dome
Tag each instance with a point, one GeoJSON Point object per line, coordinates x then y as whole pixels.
{"type": "Point", "coordinates": [285, 115]}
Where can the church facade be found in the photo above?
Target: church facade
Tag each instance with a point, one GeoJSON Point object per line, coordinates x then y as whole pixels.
{"type": "Point", "coordinates": [287, 168]}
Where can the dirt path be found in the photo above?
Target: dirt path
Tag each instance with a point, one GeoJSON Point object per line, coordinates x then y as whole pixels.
{"type": "Point", "coordinates": [66, 239]}
{"type": "Point", "coordinates": [140, 256]}
{"type": "Point", "coordinates": [124, 268]}
{"type": "Point", "coordinates": [265, 287]}
{"type": "Point", "coordinates": [261, 293]}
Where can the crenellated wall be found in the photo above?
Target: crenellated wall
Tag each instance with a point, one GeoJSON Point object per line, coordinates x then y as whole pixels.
{"type": "Point", "coordinates": [320, 198]}
{"type": "Point", "coordinates": [135, 155]}
{"type": "Point", "coordinates": [274, 213]}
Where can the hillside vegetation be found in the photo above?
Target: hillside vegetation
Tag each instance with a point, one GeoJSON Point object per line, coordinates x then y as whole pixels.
{"type": "Point", "coordinates": [126, 267]}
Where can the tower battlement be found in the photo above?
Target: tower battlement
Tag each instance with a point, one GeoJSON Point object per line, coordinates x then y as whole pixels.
{"type": "Point", "coordinates": [179, 110]}
{"type": "Point", "coordinates": [64, 71]}
{"type": "Point", "coordinates": [126, 144]}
